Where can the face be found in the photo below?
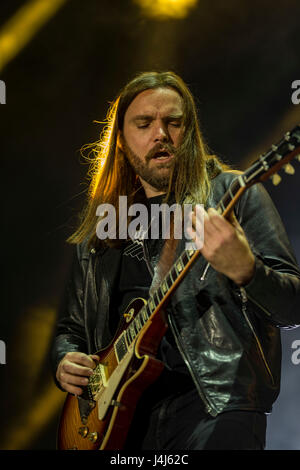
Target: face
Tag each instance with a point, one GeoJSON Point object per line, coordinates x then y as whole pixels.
{"type": "Point", "coordinates": [153, 125]}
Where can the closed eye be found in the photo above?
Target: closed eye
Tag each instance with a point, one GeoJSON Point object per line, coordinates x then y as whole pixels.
{"type": "Point", "coordinates": [143, 126]}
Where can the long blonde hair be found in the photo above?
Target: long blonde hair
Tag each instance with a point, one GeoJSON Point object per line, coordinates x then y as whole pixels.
{"type": "Point", "coordinates": [112, 176]}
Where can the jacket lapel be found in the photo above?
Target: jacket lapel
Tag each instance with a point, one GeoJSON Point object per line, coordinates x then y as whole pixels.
{"type": "Point", "coordinates": [107, 273]}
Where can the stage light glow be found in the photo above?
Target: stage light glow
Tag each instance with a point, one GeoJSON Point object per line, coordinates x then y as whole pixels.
{"type": "Point", "coordinates": [166, 9]}
{"type": "Point", "coordinates": [24, 24]}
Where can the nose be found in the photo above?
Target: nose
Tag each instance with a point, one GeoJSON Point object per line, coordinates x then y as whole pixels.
{"type": "Point", "coordinates": [161, 133]}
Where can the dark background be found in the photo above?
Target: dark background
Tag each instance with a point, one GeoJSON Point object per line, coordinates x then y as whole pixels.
{"type": "Point", "coordinates": [239, 59]}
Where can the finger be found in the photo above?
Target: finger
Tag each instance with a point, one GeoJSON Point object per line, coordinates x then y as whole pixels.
{"type": "Point", "coordinates": [233, 220]}
{"type": "Point", "coordinates": [213, 231]}
{"type": "Point", "coordinates": [73, 379]}
{"type": "Point", "coordinates": [227, 229]}
{"type": "Point", "coordinates": [71, 388]}
{"type": "Point", "coordinates": [198, 221]}
{"type": "Point", "coordinates": [80, 358]}
{"type": "Point", "coordinates": [72, 383]}
{"type": "Point", "coordinates": [195, 227]}
{"type": "Point", "coordinates": [203, 232]}
{"type": "Point", "coordinates": [95, 358]}
{"type": "Point", "coordinates": [76, 369]}
{"type": "Point", "coordinates": [217, 220]}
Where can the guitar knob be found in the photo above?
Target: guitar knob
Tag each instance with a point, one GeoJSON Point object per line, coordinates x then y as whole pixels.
{"type": "Point", "coordinates": [276, 179]}
{"type": "Point", "coordinates": [83, 431]}
{"type": "Point", "coordinates": [93, 436]}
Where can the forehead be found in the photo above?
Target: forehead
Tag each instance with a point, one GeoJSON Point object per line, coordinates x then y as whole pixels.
{"type": "Point", "coordinates": [153, 101]}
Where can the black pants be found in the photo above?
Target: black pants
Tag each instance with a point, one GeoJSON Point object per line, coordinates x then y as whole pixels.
{"type": "Point", "coordinates": [179, 422]}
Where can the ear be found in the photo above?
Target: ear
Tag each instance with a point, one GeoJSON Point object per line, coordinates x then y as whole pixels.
{"type": "Point", "coordinates": [120, 142]}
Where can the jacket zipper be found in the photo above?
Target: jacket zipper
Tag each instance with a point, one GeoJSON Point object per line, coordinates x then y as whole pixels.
{"type": "Point", "coordinates": [244, 311]}
{"type": "Point", "coordinates": [174, 330]}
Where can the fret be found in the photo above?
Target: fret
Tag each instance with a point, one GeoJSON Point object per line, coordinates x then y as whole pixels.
{"type": "Point", "coordinates": [135, 327]}
{"type": "Point", "coordinates": [229, 195]}
{"type": "Point", "coordinates": [138, 323]}
{"type": "Point", "coordinates": [120, 348]}
{"type": "Point", "coordinates": [235, 186]}
{"type": "Point", "coordinates": [156, 298]}
{"type": "Point", "coordinates": [145, 314]}
{"type": "Point", "coordinates": [179, 266]}
{"type": "Point", "coordinates": [226, 199]}
{"type": "Point", "coordinates": [173, 274]}
{"type": "Point", "coordinates": [164, 286]}
{"type": "Point", "coordinates": [128, 337]}
{"type": "Point", "coordinates": [185, 258]}
{"type": "Point", "coordinates": [151, 304]}
{"type": "Point", "coordinates": [169, 281]}
{"type": "Point", "coordinates": [149, 313]}
{"type": "Point", "coordinates": [222, 205]}
{"type": "Point", "coordinates": [143, 317]}
{"type": "Point", "coordinates": [159, 294]}
{"type": "Point", "coordinates": [190, 253]}
{"type": "Point", "coordinates": [132, 331]}
{"type": "Point", "coordinates": [140, 318]}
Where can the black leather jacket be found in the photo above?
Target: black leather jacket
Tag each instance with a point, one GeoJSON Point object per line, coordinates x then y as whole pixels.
{"type": "Point", "coordinates": [229, 337]}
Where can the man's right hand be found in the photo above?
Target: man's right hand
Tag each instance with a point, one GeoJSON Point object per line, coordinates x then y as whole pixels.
{"type": "Point", "coordinates": [74, 369]}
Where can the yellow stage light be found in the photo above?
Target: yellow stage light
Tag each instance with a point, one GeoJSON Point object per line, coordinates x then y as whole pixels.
{"type": "Point", "coordinates": [21, 28]}
{"type": "Point", "coordinates": [166, 9]}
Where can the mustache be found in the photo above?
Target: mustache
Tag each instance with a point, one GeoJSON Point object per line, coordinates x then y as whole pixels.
{"type": "Point", "coordinates": [160, 148]}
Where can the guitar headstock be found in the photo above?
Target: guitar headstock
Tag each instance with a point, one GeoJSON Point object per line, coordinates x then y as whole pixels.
{"type": "Point", "coordinates": [269, 163]}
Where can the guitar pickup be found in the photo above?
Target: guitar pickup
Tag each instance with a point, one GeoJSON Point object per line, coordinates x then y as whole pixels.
{"type": "Point", "coordinates": [104, 374]}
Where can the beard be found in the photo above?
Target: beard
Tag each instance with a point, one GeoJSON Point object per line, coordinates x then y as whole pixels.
{"type": "Point", "coordinates": [158, 176]}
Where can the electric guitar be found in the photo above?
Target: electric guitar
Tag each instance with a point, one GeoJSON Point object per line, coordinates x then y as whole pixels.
{"type": "Point", "coordinates": [100, 418]}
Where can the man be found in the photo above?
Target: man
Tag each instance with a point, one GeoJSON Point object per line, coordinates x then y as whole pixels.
{"type": "Point", "coordinates": [222, 348]}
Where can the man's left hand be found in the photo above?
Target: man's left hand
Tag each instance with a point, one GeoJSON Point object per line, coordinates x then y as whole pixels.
{"type": "Point", "coordinates": [225, 246]}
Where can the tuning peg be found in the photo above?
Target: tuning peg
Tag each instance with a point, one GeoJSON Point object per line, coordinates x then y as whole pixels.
{"type": "Point", "coordinates": [289, 169]}
{"type": "Point", "coordinates": [276, 179]}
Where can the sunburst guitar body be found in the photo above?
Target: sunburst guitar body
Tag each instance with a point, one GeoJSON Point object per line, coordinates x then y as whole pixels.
{"type": "Point", "coordinates": [100, 418]}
